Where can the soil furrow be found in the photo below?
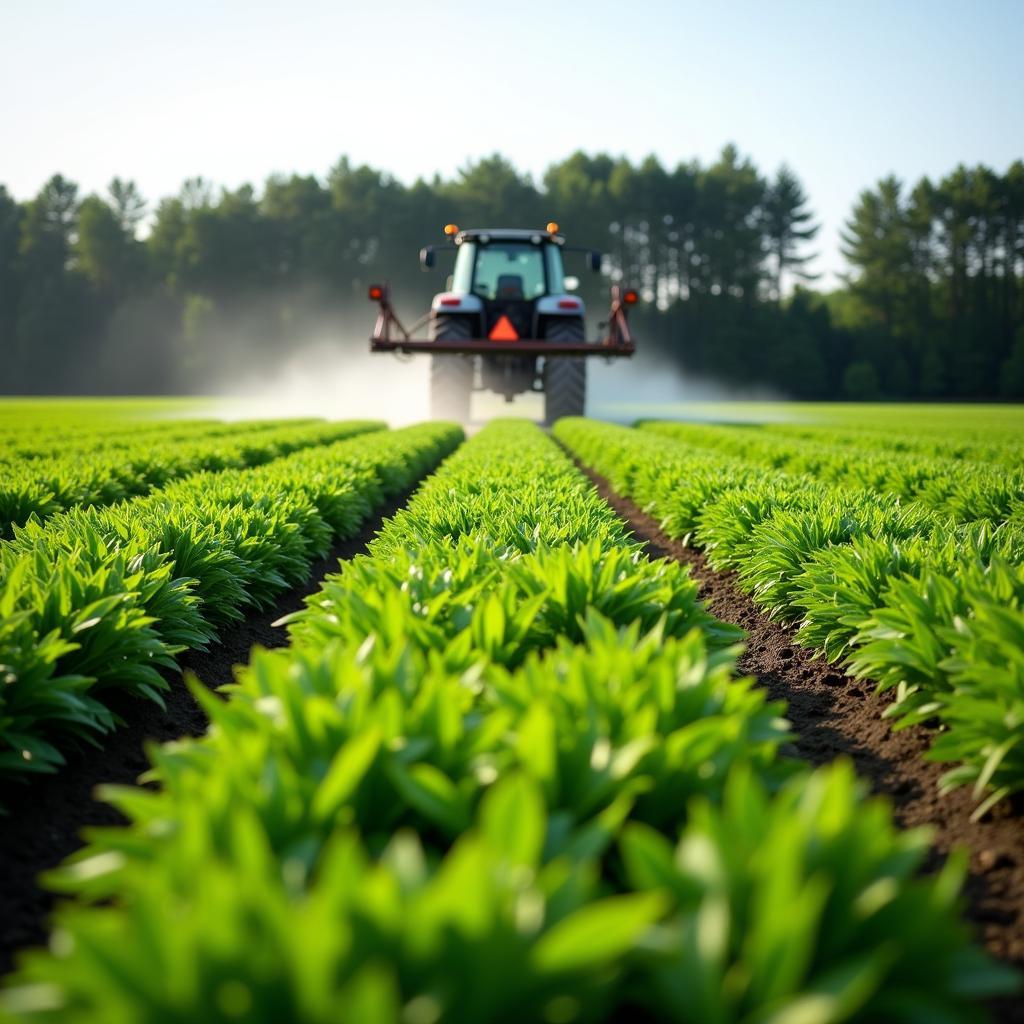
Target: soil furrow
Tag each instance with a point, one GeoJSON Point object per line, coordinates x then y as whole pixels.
{"type": "Point", "coordinates": [836, 715]}
{"type": "Point", "coordinates": [46, 817]}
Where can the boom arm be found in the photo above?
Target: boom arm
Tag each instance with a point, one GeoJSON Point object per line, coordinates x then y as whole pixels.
{"type": "Point", "coordinates": [389, 335]}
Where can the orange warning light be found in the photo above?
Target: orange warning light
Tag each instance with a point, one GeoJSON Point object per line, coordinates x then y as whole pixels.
{"type": "Point", "coordinates": [503, 330]}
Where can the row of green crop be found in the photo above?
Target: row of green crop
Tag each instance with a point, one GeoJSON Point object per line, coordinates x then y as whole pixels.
{"type": "Point", "coordinates": [504, 773]}
{"type": "Point", "coordinates": [96, 601]}
{"type": "Point", "coordinates": [930, 609]}
{"type": "Point", "coordinates": [48, 436]}
{"type": "Point", "coordinates": [968, 492]}
{"type": "Point", "coordinates": [71, 418]}
{"type": "Point", "coordinates": [954, 440]}
{"type": "Point", "coordinates": [44, 486]}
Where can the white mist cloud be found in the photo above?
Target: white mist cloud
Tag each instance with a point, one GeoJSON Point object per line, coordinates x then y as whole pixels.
{"type": "Point", "coordinates": [333, 380]}
{"type": "Point", "coordinates": [627, 389]}
{"type": "Point", "coordinates": [338, 379]}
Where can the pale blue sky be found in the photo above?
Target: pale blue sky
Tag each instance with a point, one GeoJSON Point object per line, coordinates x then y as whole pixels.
{"type": "Point", "coordinates": [845, 93]}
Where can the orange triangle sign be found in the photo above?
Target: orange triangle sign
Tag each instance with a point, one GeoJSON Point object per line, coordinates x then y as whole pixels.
{"type": "Point", "coordinates": [503, 330]}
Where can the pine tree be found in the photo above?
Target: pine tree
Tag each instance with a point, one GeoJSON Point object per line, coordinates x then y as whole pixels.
{"type": "Point", "coordinates": [788, 225]}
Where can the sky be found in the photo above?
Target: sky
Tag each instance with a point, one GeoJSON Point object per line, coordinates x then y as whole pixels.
{"type": "Point", "coordinates": [845, 93]}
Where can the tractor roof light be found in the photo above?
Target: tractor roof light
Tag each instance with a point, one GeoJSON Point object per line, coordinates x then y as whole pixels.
{"type": "Point", "coordinates": [451, 229]}
{"type": "Point", "coordinates": [552, 227]}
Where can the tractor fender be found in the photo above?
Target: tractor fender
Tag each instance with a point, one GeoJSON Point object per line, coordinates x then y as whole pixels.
{"type": "Point", "coordinates": [456, 302]}
{"type": "Point", "coordinates": [559, 305]}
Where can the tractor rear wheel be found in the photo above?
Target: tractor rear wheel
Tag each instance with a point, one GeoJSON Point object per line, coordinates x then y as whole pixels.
{"type": "Point", "coordinates": [565, 377]}
{"type": "Point", "coordinates": [451, 376]}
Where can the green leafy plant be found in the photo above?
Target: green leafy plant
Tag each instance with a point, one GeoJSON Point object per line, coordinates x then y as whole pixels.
{"type": "Point", "coordinates": [804, 906]}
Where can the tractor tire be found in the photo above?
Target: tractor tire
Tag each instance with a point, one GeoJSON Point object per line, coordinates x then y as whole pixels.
{"type": "Point", "coordinates": [565, 377]}
{"type": "Point", "coordinates": [451, 376]}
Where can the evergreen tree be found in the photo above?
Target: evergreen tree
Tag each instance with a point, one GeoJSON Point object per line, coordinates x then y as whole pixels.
{"type": "Point", "coordinates": [788, 225]}
{"type": "Point", "coordinates": [128, 204]}
{"type": "Point", "coordinates": [10, 285]}
{"type": "Point", "coordinates": [876, 242]}
{"type": "Point", "coordinates": [52, 308]}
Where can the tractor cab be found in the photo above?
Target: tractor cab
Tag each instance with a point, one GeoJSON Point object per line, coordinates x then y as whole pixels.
{"type": "Point", "coordinates": [509, 281]}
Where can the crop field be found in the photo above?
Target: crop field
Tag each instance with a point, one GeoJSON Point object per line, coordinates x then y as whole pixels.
{"type": "Point", "coordinates": [711, 722]}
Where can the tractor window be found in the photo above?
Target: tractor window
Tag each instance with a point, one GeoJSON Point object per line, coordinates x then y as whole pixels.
{"type": "Point", "coordinates": [509, 270]}
{"type": "Point", "coordinates": [462, 278]}
{"type": "Point", "coordinates": [556, 271]}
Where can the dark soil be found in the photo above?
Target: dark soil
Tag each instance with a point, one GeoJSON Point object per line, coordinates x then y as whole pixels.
{"type": "Point", "coordinates": [46, 817]}
{"type": "Point", "coordinates": [835, 715]}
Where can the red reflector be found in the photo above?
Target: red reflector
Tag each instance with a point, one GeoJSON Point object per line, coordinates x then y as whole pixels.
{"type": "Point", "coordinates": [376, 292]}
{"type": "Point", "coordinates": [568, 304]}
{"type": "Point", "coordinates": [503, 330]}
{"type": "Point", "coordinates": [451, 302]}
{"type": "Point", "coordinates": [630, 297]}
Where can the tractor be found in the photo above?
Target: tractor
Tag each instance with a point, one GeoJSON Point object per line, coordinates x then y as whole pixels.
{"type": "Point", "coordinates": [508, 322]}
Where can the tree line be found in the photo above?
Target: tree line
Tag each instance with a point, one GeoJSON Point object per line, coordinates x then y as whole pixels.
{"type": "Point", "coordinates": [106, 294]}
